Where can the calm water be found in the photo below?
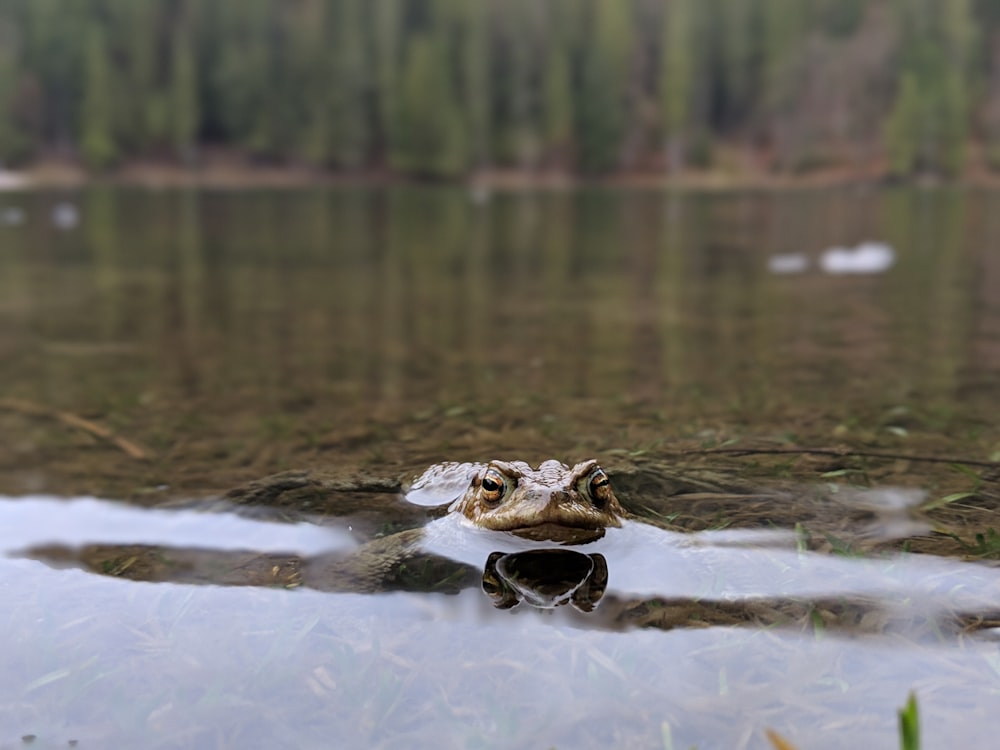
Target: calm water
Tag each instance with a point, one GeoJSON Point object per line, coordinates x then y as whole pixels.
{"type": "Point", "coordinates": [228, 336]}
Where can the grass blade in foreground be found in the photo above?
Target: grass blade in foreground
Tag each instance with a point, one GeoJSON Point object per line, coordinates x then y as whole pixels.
{"type": "Point", "coordinates": [909, 725]}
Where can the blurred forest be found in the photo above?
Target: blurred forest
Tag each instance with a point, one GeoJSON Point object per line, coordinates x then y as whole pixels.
{"type": "Point", "coordinates": [442, 88]}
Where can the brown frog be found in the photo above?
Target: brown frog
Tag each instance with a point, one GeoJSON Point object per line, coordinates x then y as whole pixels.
{"type": "Point", "coordinates": [551, 503]}
{"type": "Point", "coordinates": [549, 536]}
{"type": "Point", "coordinates": [501, 505]}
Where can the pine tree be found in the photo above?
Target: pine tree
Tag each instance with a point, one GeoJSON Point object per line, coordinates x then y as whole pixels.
{"type": "Point", "coordinates": [928, 126]}
{"type": "Point", "coordinates": [476, 88]}
{"type": "Point", "coordinates": [97, 141]}
{"type": "Point", "coordinates": [133, 33]}
{"type": "Point", "coordinates": [677, 72]}
{"type": "Point", "coordinates": [514, 74]}
{"type": "Point", "coordinates": [56, 53]}
{"type": "Point", "coordinates": [558, 102]}
{"type": "Point", "coordinates": [244, 84]}
{"type": "Point", "coordinates": [349, 121]}
{"type": "Point", "coordinates": [14, 144]}
{"type": "Point", "coordinates": [557, 91]}
{"type": "Point", "coordinates": [736, 43]}
{"type": "Point", "coordinates": [569, 82]}
{"type": "Point", "coordinates": [954, 123]}
{"type": "Point", "coordinates": [431, 134]}
{"type": "Point", "coordinates": [959, 40]}
{"type": "Point", "coordinates": [604, 86]}
{"type": "Point", "coordinates": [903, 128]}
{"type": "Point", "coordinates": [387, 48]}
{"type": "Point", "coordinates": [184, 97]}
{"type": "Point", "coordinates": [315, 69]}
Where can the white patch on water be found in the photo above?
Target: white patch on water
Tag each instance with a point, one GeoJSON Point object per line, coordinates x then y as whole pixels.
{"type": "Point", "coordinates": [41, 519]}
{"type": "Point", "coordinates": [868, 257]}
{"type": "Point", "coordinates": [788, 263]}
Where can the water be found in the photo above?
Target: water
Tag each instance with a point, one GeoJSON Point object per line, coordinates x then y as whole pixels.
{"type": "Point", "coordinates": [227, 336]}
{"type": "Point", "coordinates": [743, 638]}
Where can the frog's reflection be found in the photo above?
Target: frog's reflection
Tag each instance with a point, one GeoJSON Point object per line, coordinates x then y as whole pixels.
{"type": "Point", "coordinates": [545, 578]}
{"type": "Point", "coordinates": [541, 578]}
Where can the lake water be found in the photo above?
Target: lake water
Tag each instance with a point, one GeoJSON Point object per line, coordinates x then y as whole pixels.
{"type": "Point", "coordinates": [160, 348]}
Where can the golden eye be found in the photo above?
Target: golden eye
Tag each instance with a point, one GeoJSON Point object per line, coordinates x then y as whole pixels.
{"type": "Point", "coordinates": [599, 487]}
{"type": "Point", "coordinates": [493, 485]}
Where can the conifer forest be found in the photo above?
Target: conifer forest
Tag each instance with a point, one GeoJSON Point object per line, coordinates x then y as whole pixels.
{"type": "Point", "coordinates": [444, 88]}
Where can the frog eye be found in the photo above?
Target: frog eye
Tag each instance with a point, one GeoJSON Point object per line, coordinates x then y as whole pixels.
{"type": "Point", "coordinates": [494, 486]}
{"type": "Point", "coordinates": [599, 487]}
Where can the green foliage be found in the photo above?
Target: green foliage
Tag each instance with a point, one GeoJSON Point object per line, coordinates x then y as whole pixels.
{"type": "Point", "coordinates": [783, 23]}
{"type": "Point", "coordinates": [432, 138]}
{"type": "Point", "coordinates": [309, 37]}
{"type": "Point", "coordinates": [438, 87]}
{"type": "Point", "coordinates": [515, 67]}
{"type": "Point", "coordinates": [245, 79]}
{"type": "Point", "coordinates": [676, 77]}
{"type": "Point", "coordinates": [184, 97]}
{"type": "Point", "coordinates": [947, 500]}
{"type": "Point", "coordinates": [349, 125]}
{"type": "Point", "coordinates": [737, 49]}
{"type": "Point", "coordinates": [386, 33]}
{"type": "Point", "coordinates": [683, 74]}
{"type": "Point", "coordinates": [604, 86]}
{"type": "Point", "coordinates": [558, 100]}
{"type": "Point", "coordinates": [986, 546]}
{"type": "Point", "coordinates": [909, 725]}
{"type": "Point", "coordinates": [903, 129]}
{"type": "Point", "coordinates": [97, 137]}
{"type": "Point", "coordinates": [475, 56]}
{"type": "Point", "coordinates": [928, 128]}
{"type": "Point", "coordinates": [839, 17]}
{"type": "Point", "coordinates": [14, 143]}
{"type": "Point", "coordinates": [142, 106]}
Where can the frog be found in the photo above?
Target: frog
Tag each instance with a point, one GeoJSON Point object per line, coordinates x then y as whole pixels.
{"type": "Point", "coordinates": [553, 502]}
{"type": "Point", "coordinates": [492, 511]}
{"type": "Point", "coordinates": [434, 531]}
{"type": "Point", "coordinates": [531, 537]}
{"type": "Point", "coordinates": [558, 534]}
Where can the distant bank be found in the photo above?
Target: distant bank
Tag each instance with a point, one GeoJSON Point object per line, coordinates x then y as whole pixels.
{"type": "Point", "coordinates": [225, 170]}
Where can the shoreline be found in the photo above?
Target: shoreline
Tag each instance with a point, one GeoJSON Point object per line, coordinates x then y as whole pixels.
{"type": "Point", "coordinates": [229, 174]}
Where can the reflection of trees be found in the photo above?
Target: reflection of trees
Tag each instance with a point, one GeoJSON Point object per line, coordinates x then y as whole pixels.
{"type": "Point", "coordinates": [186, 295]}
{"type": "Point", "coordinates": [929, 293]}
{"type": "Point", "coordinates": [983, 364]}
{"type": "Point", "coordinates": [641, 229]}
{"type": "Point", "coordinates": [599, 308]}
{"type": "Point", "coordinates": [102, 232]}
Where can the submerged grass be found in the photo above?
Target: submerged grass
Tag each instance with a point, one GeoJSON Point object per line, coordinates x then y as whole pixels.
{"type": "Point", "coordinates": [986, 545]}
{"type": "Point", "coordinates": [909, 730]}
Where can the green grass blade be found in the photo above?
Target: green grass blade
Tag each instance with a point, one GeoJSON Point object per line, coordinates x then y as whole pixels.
{"type": "Point", "coordinates": [909, 725]}
{"type": "Point", "coordinates": [947, 500]}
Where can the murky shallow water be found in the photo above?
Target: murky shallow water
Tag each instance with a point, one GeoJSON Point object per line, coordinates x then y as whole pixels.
{"type": "Point", "coordinates": [229, 336]}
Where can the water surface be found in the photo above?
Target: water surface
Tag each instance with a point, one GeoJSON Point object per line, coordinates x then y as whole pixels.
{"type": "Point", "coordinates": [228, 336]}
